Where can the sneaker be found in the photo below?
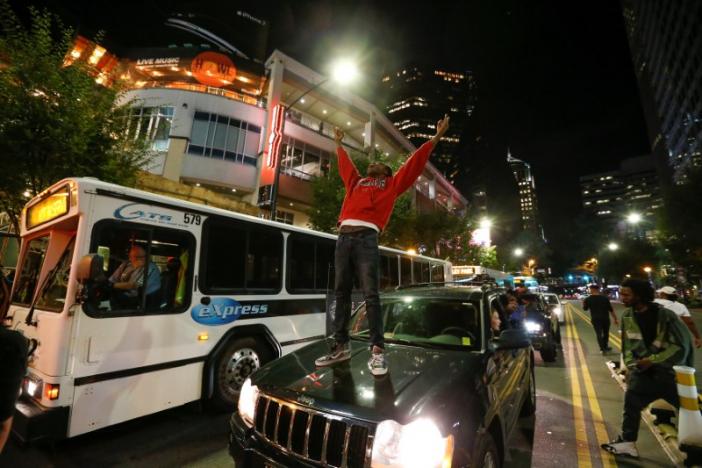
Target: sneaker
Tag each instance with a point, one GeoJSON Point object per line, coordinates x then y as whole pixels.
{"type": "Point", "coordinates": [377, 363]}
{"type": "Point", "coordinates": [339, 352]}
{"type": "Point", "coordinates": [621, 447]}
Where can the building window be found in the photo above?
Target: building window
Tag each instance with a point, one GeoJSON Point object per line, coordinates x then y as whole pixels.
{"type": "Point", "coordinates": [284, 217]}
{"type": "Point", "coordinates": [302, 160]}
{"type": "Point", "coordinates": [151, 123]}
{"type": "Point", "coordinates": [222, 137]}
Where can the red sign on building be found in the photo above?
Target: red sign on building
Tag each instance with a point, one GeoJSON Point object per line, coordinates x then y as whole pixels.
{"type": "Point", "coordinates": [213, 69]}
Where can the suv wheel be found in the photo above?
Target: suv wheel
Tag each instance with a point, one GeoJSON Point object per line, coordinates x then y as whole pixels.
{"type": "Point", "coordinates": [548, 353]}
{"type": "Point", "coordinates": [486, 455]}
{"type": "Point", "coordinates": [239, 359]}
{"type": "Point", "coordinates": [529, 406]}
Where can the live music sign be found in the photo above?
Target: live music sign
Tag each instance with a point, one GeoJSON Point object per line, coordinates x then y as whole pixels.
{"type": "Point", "coordinates": [213, 69]}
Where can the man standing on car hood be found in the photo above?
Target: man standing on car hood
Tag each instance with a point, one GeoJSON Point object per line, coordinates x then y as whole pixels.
{"type": "Point", "coordinates": [365, 212]}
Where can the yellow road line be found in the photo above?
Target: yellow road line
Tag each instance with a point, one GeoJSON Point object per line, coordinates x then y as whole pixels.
{"type": "Point", "coordinates": [613, 337]}
{"type": "Point", "coordinates": [581, 441]}
{"type": "Point", "coordinates": [597, 420]}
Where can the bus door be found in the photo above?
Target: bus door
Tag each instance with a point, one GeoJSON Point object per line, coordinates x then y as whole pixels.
{"type": "Point", "coordinates": [9, 251]}
{"type": "Point", "coordinates": [137, 349]}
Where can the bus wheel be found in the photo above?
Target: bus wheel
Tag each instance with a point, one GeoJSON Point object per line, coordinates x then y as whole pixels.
{"type": "Point", "coordinates": [239, 359]}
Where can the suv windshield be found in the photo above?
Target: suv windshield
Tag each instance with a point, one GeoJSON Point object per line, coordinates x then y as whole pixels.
{"type": "Point", "coordinates": [425, 322]}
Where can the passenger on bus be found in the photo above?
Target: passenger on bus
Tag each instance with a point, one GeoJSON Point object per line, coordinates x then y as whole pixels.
{"type": "Point", "coordinates": [128, 279]}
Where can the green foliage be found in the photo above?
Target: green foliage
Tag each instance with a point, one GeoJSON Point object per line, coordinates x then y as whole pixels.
{"type": "Point", "coordinates": [630, 259]}
{"type": "Point", "coordinates": [55, 121]}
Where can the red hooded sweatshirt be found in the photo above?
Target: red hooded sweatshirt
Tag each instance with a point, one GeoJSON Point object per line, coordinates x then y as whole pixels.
{"type": "Point", "coordinates": [371, 199]}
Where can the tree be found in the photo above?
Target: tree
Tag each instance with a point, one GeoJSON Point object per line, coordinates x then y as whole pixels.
{"type": "Point", "coordinates": [630, 258]}
{"type": "Point", "coordinates": [55, 120]}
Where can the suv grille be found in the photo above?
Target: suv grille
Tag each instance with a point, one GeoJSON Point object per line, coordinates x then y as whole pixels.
{"type": "Point", "coordinates": [313, 436]}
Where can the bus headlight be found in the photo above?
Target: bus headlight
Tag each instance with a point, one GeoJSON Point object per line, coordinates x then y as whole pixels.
{"type": "Point", "coordinates": [532, 327]}
{"type": "Point", "coordinates": [247, 402]}
{"type": "Point", "coordinates": [33, 387]}
{"type": "Point", "coordinates": [418, 444]}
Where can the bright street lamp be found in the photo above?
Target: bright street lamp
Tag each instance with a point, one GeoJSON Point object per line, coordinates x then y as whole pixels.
{"type": "Point", "coordinates": [411, 251]}
{"type": "Point", "coordinates": [613, 246]}
{"type": "Point", "coordinates": [344, 71]}
{"type": "Point", "coordinates": [633, 218]}
{"type": "Point", "coordinates": [648, 269]}
{"type": "Point", "coordinates": [518, 252]}
{"type": "Point", "coordinates": [485, 223]}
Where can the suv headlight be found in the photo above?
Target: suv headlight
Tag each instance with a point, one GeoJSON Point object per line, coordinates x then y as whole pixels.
{"type": "Point", "coordinates": [557, 310]}
{"type": "Point", "coordinates": [532, 327]}
{"type": "Point", "coordinates": [418, 444]}
{"type": "Point", "coordinates": [247, 402]}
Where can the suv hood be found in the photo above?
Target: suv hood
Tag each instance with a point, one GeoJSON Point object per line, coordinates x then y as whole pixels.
{"type": "Point", "coordinates": [417, 379]}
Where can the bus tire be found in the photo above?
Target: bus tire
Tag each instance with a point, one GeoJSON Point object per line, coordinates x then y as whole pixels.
{"type": "Point", "coordinates": [240, 357]}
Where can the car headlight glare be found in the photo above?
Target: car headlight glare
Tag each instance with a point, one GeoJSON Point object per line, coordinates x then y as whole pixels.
{"type": "Point", "coordinates": [532, 327]}
{"type": "Point", "coordinates": [247, 402]}
{"type": "Point", "coordinates": [557, 311]}
{"type": "Point", "coordinates": [418, 444]}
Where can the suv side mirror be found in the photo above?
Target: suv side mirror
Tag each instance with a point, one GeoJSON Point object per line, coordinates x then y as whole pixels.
{"type": "Point", "coordinates": [512, 339]}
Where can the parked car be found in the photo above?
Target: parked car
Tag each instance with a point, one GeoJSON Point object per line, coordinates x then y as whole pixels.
{"type": "Point", "coordinates": [452, 396]}
{"type": "Point", "coordinates": [552, 302]}
{"type": "Point", "coordinates": [542, 328]}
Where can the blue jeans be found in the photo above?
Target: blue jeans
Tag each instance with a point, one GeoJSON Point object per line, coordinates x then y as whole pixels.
{"type": "Point", "coordinates": [357, 255]}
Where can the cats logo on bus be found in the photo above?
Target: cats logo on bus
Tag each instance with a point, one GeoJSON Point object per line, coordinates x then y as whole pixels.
{"type": "Point", "coordinates": [223, 310]}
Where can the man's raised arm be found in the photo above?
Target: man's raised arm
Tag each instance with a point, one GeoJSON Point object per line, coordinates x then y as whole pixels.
{"type": "Point", "coordinates": [348, 172]}
{"type": "Point", "coordinates": [413, 167]}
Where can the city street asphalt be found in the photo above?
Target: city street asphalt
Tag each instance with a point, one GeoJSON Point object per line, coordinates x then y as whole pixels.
{"type": "Point", "coordinates": [579, 407]}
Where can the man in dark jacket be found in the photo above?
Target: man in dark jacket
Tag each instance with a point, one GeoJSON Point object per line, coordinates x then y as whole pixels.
{"type": "Point", "coordinates": [13, 365]}
{"type": "Point", "coordinates": [600, 310]}
{"type": "Point", "coordinates": [365, 212]}
{"type": "Point", "coordinates": [653, 341]}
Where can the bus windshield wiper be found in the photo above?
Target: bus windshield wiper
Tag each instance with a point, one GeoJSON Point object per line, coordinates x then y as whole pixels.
{"type": "Point", "coordinates": [49, 276]}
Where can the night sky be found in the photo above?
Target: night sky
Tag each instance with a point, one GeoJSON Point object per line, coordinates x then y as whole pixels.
{"type": "Point", "coordinates": [555, 79]}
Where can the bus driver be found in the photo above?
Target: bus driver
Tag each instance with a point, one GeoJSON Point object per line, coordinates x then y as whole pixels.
{"type": "Point", "coordinates": [129, 277]}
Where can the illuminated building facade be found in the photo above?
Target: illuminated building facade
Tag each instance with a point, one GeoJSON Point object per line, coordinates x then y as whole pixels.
{"type": "Point", "coordinates": [527, 193]}
{"type": "Point", "coordinates": [665, 39]}
{"type": "Point", "coordinates": [418, 96]}
{"type": "Point", "coordinates": [219, 128]}
{"type": "Point", "coordinates": [609, 197]}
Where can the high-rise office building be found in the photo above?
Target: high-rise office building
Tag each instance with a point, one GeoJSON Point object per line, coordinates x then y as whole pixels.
{"type": "Point", "coordinates": [608, 197]}
{"type": "Point", "coordinates": [527, 193]}
{"type": "Point", "coordinates": [417, 96]}
{"type": "Point", "coordinates": [665, 38]}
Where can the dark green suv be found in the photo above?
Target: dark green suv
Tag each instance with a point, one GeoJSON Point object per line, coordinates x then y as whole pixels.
{"type": "Point", "coordinates": [452, 395]}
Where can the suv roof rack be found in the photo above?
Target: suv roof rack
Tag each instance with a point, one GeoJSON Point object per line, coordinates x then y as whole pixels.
{"type": "Point", "coordinates": [481, 284]}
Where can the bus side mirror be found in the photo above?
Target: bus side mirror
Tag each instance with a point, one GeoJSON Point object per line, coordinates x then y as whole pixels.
{"type": "Point", "coordinates": [90, 269]}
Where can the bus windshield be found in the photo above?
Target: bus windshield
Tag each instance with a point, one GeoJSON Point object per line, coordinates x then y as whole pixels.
{"type": "Point", "coordinates": [53, 295]}
{"type": "Point", "coordinates": [29, 271]}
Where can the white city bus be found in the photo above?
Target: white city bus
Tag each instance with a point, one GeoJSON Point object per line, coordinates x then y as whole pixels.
{"type": "Point", "coordinates": [224, 293]}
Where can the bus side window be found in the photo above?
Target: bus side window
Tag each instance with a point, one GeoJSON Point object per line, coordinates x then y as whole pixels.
{"type": "Point", "coordinates": [405, 271]}
{"type": "Point", "coordinates": [147, 271]}
{"type": "Point", "coordinates": [437, 273]}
